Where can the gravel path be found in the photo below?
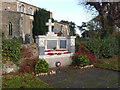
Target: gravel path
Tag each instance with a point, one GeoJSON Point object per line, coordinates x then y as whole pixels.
{"type": "Point", "coordinates": [69, 77]}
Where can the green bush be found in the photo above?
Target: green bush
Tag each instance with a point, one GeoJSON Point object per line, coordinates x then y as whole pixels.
{"type": "Point", "coordinates": [94, 47]}
{"type": "Point", "coordinates": [11, 50]}
{"type": "Point", "coordinates": [103, 48]}
{"type": "Point", "coordinates": [41, 67]}
{"type": "Point", "coordinates": [76, 46]}
{"type": "Point", "coordinates": [83, 60]}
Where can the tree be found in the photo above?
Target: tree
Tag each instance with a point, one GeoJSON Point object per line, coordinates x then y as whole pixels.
{"type": "Point", "coordinates": [41, 16]}
{"type": "Point", "coordinates": [91, 29]}
{"type": "Point", "coordinates": [90, 34]}
{"type": "Point", "coordinates": [72, 27]}
{"type": "Point", "coordinates": [109, 14]}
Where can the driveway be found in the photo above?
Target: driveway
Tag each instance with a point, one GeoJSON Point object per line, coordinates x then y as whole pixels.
{"type": "Point", "coordinates": [69, 77]}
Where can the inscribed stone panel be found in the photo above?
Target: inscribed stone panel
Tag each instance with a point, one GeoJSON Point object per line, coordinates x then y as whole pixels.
{"type": "Point", "coordinates": [62, 43]}
{"type": "Point", "coordinates": [51, 44]}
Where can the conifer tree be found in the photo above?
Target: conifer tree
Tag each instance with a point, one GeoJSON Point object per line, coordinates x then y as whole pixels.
{"type": "Point", "coordinates": [41, 16]}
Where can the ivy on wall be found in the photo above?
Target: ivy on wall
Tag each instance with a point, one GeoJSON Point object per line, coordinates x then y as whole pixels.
{"type": "Point", "coordinates": [11, 50]}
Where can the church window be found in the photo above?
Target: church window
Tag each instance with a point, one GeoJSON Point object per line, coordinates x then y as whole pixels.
{"type": "Point", "coordinates": [10, 28]}
{"type": "Point", "coordinates": [22, 8]}
{"type": "Point", "coordinates": [30, 10]}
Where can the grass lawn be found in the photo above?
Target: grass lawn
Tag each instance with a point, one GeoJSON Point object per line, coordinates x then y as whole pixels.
{"type": "Point", "coordinates": [112, 63]}
{"type": "Point", "coordinates": [20, 80]}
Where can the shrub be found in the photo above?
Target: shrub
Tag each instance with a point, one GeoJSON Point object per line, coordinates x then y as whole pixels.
{"type": "Point", "coordinates": [27, 53]}
{"type": "Point", "coordinates": [94, 47]}
{"type": "Point", "coordinates": [109, 48]}
{"type": "Point", "coordinates": [41, 67]}
{"type": "Point", "coordinates": [76, 46]}
{"type": "Point", "coordinates": [82, 60]}
{"type": "Point", "coordinates": [11, 50]}
{"type": "Point", "coordinates": [29, 65]}
{"type": "Point", "coordinates": [84, 51]}
{"type": "Point", "coordinates": [105, 48]}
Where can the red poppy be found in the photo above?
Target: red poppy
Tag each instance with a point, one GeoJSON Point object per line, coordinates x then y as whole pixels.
{"type": "Point", "coordinates": [59, 54]}
{"type": "Point", "coordinates": [47, 50]}
{"type": "Point", "coordinates": [50, 54]}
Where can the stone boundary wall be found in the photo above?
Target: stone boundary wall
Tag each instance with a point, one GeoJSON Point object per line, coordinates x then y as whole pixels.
{"type": "Point", "coordinates": [11, 67]}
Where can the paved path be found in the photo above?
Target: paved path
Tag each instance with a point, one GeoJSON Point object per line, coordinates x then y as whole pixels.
{"type": "Point", "coordinates": [68, 77]}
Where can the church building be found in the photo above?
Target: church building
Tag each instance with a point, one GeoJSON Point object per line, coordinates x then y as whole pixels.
{"type": "Point", "coordinates": [61, 29]}
{"type": "Point", "coordinates": [17, 18]}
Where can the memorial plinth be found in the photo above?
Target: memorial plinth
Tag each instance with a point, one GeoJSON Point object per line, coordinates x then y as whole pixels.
{"type": "Point", "coordinates": [51, 40]}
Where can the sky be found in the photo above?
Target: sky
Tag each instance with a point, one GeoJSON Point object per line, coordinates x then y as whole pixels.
{"type": "Point", "coordinates": [67, 10]}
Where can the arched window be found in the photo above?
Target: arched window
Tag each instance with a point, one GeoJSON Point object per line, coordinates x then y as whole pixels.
{"type": "Point", "coordinates": [10, 28]}
{"type": "Point", "coordinates": [22, 8]}
{"type": "Point", "coordinates": [30, 10]}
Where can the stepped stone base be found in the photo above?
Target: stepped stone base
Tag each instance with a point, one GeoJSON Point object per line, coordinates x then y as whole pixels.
{"type": "Point", "coordinates": [65, 59]}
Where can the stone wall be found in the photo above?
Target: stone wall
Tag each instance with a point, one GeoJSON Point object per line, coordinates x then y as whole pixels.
{"type": "Point", "coordinates": [15, 6]}
{"type": "Point", "coordinates": [14, 18]}
{"type": "Point", "coordinates": [27, 7]}
{"type": "Point", "coordinates": [64, 28]}
{"type": "Point", "coordinates": [12, 6]}
{"type": "Point", "coordinates": [21, 21]}
{"type": "Point", "coordinates": [21, 24]}
{"type": "Point", "coordinates": [26, 26]}
{"type": "Point", "coordinates": [9, 67]}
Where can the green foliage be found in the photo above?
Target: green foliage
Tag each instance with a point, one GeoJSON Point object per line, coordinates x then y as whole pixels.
{"type": "Point", "coordinates": [28, 65]}
{"type": "Point", "coordinates": [90, 34]}
{"type": "Point", "coordinates": [41, 67]}
{"type": "Point", "coordinates": [83, 60]}
{"type": "Point", "coordinates": [103, 48]}
{"type": "Point", "coordinates": [11, 50]}
{"type": "Point", "coordinates": [41, 16]}
{"type": "Point", "coordinates": [76, 46]}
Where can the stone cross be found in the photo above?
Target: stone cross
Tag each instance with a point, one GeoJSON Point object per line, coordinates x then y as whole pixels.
{"type": "Point", "coordinates": [50, 24]}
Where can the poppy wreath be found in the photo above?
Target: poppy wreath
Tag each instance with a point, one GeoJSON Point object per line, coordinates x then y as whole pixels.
{"type": "Point", "coordinates": [58, 64]}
